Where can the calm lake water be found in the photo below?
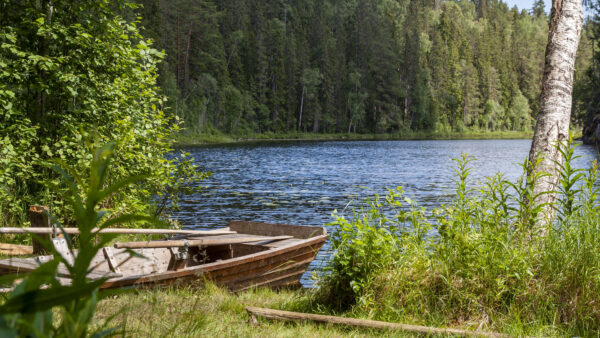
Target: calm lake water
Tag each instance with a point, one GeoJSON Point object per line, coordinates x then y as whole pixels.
{"type": "Point", "coordinates": [302, 183]}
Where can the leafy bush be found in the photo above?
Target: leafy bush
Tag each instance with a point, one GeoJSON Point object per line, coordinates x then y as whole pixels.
{"type": "Point", "coordinates": [72, 78]}
{"type": "Point", "coordinates": [476, 262]}
{"type": "Point", "coordinates": [364, 245]}
{"type": "Point", "coordinates": [30, 308]}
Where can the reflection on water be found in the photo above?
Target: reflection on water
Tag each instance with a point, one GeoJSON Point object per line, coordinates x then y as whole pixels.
{"type": "Point", "coordinates": [303, 182]}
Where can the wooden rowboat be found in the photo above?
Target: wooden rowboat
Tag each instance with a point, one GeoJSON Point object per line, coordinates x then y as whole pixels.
{"type": "Point", "coordinates": [249, 254]}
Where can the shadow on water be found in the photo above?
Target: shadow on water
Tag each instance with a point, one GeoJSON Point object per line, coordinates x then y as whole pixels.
{"type": "Point", "coordinates": [302, 182]}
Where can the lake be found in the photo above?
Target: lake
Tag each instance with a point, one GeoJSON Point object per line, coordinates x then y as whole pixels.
{"type": "Point", "coordinates": [302, 182]}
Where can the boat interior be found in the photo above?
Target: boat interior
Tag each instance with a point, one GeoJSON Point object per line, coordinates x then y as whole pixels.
{"type": "Point", "coordinates": [246, 238]}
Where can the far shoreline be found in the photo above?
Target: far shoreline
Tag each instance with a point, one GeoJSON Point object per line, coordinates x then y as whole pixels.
{"type": "Point", "coordinates": [186, 140]}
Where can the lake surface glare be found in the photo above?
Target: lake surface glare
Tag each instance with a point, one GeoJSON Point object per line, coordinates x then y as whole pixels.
{"type": "Point", "coordinates": [302, 182]}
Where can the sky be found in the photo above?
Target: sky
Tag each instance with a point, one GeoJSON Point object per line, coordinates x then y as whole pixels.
{"type": "Point", "coordinates": [528, 4]}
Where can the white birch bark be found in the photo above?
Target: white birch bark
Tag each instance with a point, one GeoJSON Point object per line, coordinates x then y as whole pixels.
{"type": "Point", "coordinates": [552, 127]}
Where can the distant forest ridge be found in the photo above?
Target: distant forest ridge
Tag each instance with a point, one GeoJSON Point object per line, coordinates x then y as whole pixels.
{"type": "Point", "coordinates": [369, 66]}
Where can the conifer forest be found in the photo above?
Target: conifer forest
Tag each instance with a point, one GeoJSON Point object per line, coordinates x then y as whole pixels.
{"type": "Point", "coordinates": [373, 66]}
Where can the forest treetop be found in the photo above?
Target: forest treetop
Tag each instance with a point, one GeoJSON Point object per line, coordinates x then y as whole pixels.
{"type": "Point", "coordinates": [378, 66]}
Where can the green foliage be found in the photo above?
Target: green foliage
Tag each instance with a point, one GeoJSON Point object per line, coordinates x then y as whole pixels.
{"type": "Point", "coordinates": [73, 77]}
{"type": "Point", "coordinates": [364, 245]}
{"type": "Point", "coordinates": [476, 262]}
{"type": "Point", "coordinates": [519, 117]}
{"type": "Point", "coordinates": [356, 66]}
{"type": "Point", "coordinates": [31, 308]}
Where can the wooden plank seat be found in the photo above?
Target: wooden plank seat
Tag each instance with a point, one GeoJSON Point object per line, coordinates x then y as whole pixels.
{"type": "Point", "coordinates": [15, 249]}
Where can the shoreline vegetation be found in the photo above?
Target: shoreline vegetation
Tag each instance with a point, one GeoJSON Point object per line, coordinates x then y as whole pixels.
{"type": "Point", "coordinates": [183, 140]}
{"type": "Point", "coordinates": [483, 271]}
{"type": "Point", "coordinates": [216, 311]}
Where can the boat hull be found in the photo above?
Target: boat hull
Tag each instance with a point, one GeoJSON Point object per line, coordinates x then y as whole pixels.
{"type": "Point", "coordinates": [282, 266]}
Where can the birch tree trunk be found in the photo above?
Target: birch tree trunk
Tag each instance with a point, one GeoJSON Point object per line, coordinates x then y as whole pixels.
{"type": "Point", "coordinates": [552, 127]}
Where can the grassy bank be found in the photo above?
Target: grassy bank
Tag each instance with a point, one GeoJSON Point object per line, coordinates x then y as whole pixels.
{"type": "Point", "coordinates": [197, 139]}
{"type": "Point", "coordinates": [211, 312]}
{"type": "Point", "coordinates": [214, 311]}
{"type": "Point", "coordinates": [483, 261]}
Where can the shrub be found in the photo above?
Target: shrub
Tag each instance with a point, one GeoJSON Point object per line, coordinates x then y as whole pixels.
{"type": "Point", "coordinates": [73, 78]}
{"type": "Point", "coordinates": [475, 262]}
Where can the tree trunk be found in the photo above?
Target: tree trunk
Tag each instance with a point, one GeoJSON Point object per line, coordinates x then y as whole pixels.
{"type": "Point", "coordinates": [178, 72]}
{"type": "Point", "coordinates": [186, 75]}
{"type": "Point", "coordinates": [552, 125]}
{"type": "Point", "coordinates": [301, 106]}
{"type": "Point", "coordinates": [350, 124]}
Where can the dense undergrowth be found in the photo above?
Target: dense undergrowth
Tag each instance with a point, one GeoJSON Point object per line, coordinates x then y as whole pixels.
{"type": "Point", "coordinates": [71, 79]}
{"type": "Point", "coordinates": [475, 263]}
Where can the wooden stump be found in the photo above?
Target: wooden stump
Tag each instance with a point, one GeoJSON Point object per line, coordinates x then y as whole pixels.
{"type": "Point", "coordinates": [38, 218]}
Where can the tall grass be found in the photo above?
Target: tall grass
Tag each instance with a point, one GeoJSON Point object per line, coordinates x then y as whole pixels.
{"type": "Point", "coordinates": [477, 262]}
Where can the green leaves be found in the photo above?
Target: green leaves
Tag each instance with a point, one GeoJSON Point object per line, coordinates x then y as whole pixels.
{"type": "Point", "coordinates": [363, 247]}
{"type": "Point", "coordinates": [29, 309]}
{"type": "Point", "coordinates": [69, 84]}
{"type": "Point", "coordinates": [44, 299]}
{"type": "Point", "coordinates": [570, 180]}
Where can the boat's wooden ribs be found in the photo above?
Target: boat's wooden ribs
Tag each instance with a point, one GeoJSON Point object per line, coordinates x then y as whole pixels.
{"type": "Point", "coordinates": [110, 259]}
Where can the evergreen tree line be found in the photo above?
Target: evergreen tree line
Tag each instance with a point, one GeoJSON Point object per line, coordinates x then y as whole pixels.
{"type": "Point", "coordinates": [586, 94]}
{"type": "Point", "coordinates": [366, 66]}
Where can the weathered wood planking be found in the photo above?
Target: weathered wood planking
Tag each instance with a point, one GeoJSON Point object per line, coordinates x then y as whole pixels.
{"type": "Point", "coordinates": [75, 231]}
{"type": "Point", "coordinates": [262, 265]}
{"type": "Point", "coordinates": [276, 229]}
{"type": "Point", "coordinates": [238, 261]}
{"type": "Point", "coordinates": [25, 265]}
{"type": "Point", "coordinates": [269, 276]}
{"type": "Point", "coordinates": [152, 261]}
{"type": "Point", "coordinates": [374, 324]}
{"type": "Point", "coordinates": [15, 249]}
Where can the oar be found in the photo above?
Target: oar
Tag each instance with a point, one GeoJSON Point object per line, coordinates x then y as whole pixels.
{"type": "Point", "coordinates": [75, 231]}
{"type": "Point", "coordinates": [198, 242]}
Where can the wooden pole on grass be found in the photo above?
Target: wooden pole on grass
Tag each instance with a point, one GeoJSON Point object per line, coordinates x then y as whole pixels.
{"type": "Point", "coordinates": [373, 324]}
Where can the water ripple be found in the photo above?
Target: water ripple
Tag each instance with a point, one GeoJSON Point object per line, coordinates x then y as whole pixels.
{"type": "Point", "coordinates": [303, 182]}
